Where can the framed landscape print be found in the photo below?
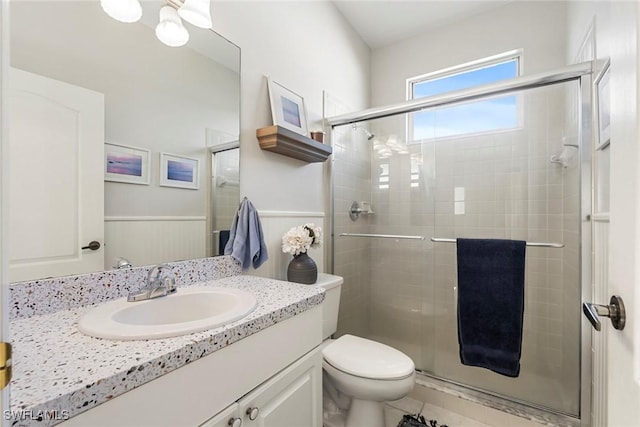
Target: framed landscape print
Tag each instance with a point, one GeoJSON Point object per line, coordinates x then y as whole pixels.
{"type": "Point", "coordinates": [123, 163]}
{"type": "Point", "coordinates": [179, 171]}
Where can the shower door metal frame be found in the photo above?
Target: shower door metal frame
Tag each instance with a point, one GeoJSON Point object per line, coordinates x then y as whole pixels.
{"type": "Point", "coordinates": [582, 73]}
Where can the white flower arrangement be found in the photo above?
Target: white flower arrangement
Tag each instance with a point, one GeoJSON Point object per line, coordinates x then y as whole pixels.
{"type": "Point", "coordinates": [299, 239]}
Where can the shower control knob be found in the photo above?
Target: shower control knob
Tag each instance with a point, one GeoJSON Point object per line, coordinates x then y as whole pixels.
{"type": "Point", "coordinates": [615, 311]}
{"type": "Point", "coordinates": [253, 413]}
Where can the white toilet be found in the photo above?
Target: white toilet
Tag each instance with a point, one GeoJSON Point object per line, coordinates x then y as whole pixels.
{"type": "Point", "coordinates": [359, 374]}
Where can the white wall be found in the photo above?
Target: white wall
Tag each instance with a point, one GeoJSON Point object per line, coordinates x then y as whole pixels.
{"type": "Point", "coordinates": [309, 48]}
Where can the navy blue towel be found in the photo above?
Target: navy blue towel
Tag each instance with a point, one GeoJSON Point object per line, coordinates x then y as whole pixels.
{"type": "Point", "coordinates": [223, 238]}
{"type": "Point", "coordinates": [491, 303]}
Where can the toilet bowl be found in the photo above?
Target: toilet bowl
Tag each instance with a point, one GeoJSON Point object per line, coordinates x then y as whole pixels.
{"type": "Point", "coordinates": [359, 374]}
{"type": "Point", "coordinates": [369, 373]}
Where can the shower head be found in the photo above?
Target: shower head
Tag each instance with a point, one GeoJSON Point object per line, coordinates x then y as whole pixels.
{"type": "Point", "coordinates": [370, 136]}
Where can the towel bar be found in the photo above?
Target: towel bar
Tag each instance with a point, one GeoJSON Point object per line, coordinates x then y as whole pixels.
{"type": "Point", "coordinates": [539, 245]}
{"type": "Point", "coordinates": [383, 236]}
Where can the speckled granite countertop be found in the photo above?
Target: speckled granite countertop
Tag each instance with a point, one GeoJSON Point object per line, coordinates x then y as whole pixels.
{"type": "Point", "coordinates": [60, 372]}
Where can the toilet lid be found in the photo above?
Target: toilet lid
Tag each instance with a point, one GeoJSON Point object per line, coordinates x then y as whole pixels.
{"type": "Point", "coordinates": [367, 359]}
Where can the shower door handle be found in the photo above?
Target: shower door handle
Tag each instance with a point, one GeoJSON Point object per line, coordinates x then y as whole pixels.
{"type": "Point", "coordinates": [615, 311]}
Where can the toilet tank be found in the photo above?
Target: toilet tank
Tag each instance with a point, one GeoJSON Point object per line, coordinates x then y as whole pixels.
{"type": "Point", "coordinates": [332, 285]}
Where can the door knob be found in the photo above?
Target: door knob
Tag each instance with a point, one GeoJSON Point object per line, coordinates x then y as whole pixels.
{"type": "Point", "coordinates": [94, 246]}
{"type": "Point", "coordinates": [615, 311]}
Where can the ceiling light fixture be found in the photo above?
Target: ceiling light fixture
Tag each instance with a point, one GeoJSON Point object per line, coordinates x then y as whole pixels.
{"type": "Point", "coordinates": [170, 29]}
{"type": "Point", "coordinates": [197, 12]}
{"type": "Point", "coordinates": [122, 10]}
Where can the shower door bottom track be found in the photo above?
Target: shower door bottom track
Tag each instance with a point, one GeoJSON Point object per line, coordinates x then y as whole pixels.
{"type": "Point", "coordinates": [496, 401]}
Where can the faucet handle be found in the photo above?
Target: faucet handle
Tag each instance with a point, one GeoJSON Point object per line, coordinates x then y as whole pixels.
{"type": "Point", "coordinates": [161, 275]}
{"type": "Point", "coordinates": [161, 281]}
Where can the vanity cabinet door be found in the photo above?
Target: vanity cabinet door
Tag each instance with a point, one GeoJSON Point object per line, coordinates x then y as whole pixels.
{"type": "Point", "coordinates": [225, 418]}
{"type": "Point", "coordinates": [292, 398]}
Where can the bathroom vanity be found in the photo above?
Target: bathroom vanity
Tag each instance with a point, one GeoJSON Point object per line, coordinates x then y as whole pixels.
{"type": "Point", "coordinates": [272, 378]}
{"type": "Point", "coordinates": [264, 369]}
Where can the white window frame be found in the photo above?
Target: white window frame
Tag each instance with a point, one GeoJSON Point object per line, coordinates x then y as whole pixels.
{"type": "Point", "coordinates": [516, 55]}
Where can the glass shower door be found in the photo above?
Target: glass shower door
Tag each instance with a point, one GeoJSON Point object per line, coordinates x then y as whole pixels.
{"type": "Point", "coordinates": [385, 255]}
{"type": "Point", "coordinates": [522, 183]}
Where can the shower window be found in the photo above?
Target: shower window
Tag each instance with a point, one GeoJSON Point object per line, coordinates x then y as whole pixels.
{"type": "Point", "coordinates": [489, 115]}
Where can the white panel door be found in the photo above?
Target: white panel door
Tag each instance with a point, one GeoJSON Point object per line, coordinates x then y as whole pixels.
{"type": "Point", "coordinates": [56, 137]}
{"type": "Point", "coordinates": [623, 388]}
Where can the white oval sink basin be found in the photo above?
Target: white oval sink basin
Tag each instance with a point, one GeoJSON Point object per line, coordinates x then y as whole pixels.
{"type": "Point", "coordinates": [191, 309]}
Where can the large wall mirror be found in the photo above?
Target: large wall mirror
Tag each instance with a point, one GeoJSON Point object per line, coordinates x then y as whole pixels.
{"type": "Point", "coordinates": [109, 125]}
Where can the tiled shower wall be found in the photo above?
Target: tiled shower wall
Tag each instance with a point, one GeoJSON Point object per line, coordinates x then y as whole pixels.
{"type": "Point", "coordinates": [511, 190]}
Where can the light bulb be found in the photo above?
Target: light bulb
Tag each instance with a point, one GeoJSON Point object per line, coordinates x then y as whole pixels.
{"type": "Point", "coordinates": [170, 29]}
{"type": "Point", "coordinates": [122, 10]}
{"type": "Point", "coordinates": [197, 12]}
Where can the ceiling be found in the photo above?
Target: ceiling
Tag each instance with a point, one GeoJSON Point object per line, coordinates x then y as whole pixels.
{"type": "Point", "coordinates": [385, 22]}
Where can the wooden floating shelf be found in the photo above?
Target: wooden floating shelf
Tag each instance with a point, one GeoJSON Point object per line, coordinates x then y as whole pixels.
{"type": "Point", "coordinates": [288, 143]}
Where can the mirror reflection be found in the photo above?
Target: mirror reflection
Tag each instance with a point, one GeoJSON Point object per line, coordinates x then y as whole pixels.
{"type": "Point", "coordinates": [89, 94]}
{"type": "Point", "coordinates": [225, 191]}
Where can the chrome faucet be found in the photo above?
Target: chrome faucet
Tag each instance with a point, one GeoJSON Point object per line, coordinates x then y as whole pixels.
{"type": "Point", "coordinates": [160, 282]}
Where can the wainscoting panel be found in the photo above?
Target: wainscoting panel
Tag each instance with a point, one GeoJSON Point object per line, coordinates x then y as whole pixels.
{"type": "Point", "coordinates": [146, 240]}
{"type": "Point", "coordinates": [274, 225]}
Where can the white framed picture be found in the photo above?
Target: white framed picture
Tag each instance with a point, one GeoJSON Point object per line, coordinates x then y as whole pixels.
{"type": "Point", "coordinates": [287, 108]}
{"type": "Point", "coordinates": [179, 171]}
{"type": "Point", "coordinates": [123, 163]}
{"type": "Point", "coordinates": [603, 108]}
